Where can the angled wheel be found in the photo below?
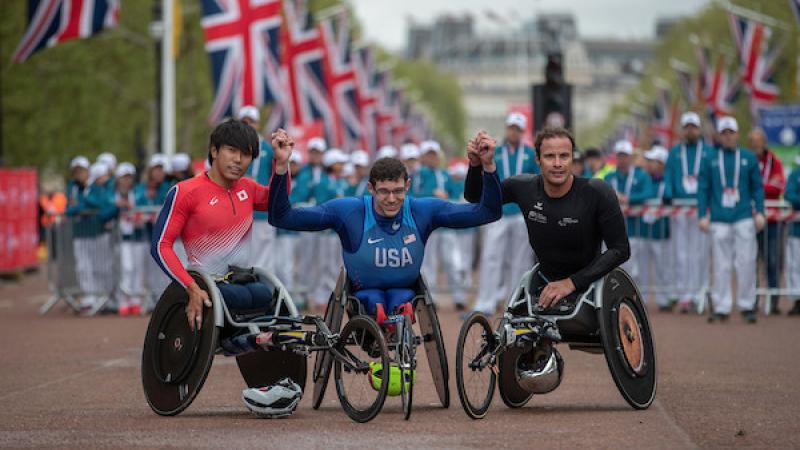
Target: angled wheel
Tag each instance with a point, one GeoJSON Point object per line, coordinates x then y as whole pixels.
{"type": "Point", "coordinates": [627, 340]}
{"type": "Point", "coordinates": [323, 361]}
{"type": "Point", "coordinates": [513, 395]}
{"type": "Point", "coordinates": [363, 350]}
{"type": "Point", "coordinates": [407, 360]}
{"type": "Point", "coordinates": [432, 340]}
{"type": "Point", "coordinates": [475, 372]}
{"type": "Point", "coordinates": [175, 359]}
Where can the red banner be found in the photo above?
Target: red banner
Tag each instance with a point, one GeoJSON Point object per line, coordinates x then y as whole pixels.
{"type": "Point", "coordinates": [19, 234]}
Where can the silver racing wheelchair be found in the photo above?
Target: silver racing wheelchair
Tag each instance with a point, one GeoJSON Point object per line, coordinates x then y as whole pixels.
{"type": "Point", "coordinates": [403, 340]}
{"type": "Point", "coordinates": [519, 356]}
{"type": "Point", "coordinates": [268, 344]}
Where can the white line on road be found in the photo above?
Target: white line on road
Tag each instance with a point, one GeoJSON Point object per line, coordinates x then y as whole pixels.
{"type": "Point", "coordinates": [687, 440]}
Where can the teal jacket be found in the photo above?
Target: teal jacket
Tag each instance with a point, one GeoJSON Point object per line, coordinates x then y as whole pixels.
{"type": "Point", "coordinates": [431, 180]}
{"type": "Point", "coordinates": [658, 229]}
{"type": "Point", "coordinates": [455, 193]}
{"type": "Point", "coordinates": [261, 171]}
{"type": "Point", "coordinates": [792, 195]}
{"type": "Point", "coordinates": [356, 190]}
{"type": "Point", "coordinates": [709, 191]}
{"type": "Point", "coordinates": [674, 170]}
{"type": "Point", "coordinates": [306, 182]}
{"type": "Point", "coordinates": [93, 210]}
{"type": "Point", "coordinates": [514, 163]}
{"type": "Point", "coordinates": [641, 191]}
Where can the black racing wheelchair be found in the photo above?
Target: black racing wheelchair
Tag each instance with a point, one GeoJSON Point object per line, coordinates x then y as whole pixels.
{"type": "Point", "coordinates": [402, 341]}
{"type": "Point", "coordinates": [269, 344]}
{"type": "Point", "coordinates": [520, 358]}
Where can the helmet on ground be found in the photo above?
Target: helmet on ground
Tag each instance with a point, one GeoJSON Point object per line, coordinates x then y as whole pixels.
{"type": "Point", "coordinates": [376, 377]}
{"type": "Point", "coordinates": [542, 371]}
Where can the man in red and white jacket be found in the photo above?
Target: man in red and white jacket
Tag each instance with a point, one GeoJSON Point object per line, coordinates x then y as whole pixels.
{"type": "Point", "coordinates": [769, 246]}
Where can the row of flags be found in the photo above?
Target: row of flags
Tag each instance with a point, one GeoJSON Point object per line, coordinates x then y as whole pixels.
{"type": "Point", "coordinates": [273, 52]}
{"type": "Point", "coordinates": [717, 88]}
{"type": "Point", "coordinates": [270, 53]}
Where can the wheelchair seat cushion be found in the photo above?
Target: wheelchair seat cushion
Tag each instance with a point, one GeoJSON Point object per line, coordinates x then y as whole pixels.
{"type": "Point", "coordinates": [247, 297]}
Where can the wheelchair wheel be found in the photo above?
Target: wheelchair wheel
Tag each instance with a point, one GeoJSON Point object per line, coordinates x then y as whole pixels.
{"type": "Point", "coordinates": [627, 340]}
{"type": "Point", "coordinates": [510, 391]}
{"type": "Point", "coordinates": [364, 349]}
{"type": "Point", "coordinates": [432, 340]}
{"type": "Point", "coordinates": [175, 359]}
{"type": "Point", "coordinates": [475, 376]}
{"type": "Point", "coordinates": [407, 359]}
{"type": "Point", "coordinates": [323, 360]}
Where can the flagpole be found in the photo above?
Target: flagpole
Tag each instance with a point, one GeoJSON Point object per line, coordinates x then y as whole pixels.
{"type": "Point", "coordinates": [167, 79]}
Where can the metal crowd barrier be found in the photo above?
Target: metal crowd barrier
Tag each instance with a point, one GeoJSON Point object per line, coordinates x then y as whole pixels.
{"type": "Point", "coordinates": [775, 211]}
{"type": "Point", "coordinates": [81, 267]}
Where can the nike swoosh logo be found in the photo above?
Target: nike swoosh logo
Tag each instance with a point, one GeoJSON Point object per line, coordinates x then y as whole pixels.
{"type": "Point", "coordinates": [374, 241]}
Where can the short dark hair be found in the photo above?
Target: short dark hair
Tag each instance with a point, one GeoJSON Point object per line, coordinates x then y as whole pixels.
{"type": "Point", "coordinates": [234, 133]}
{"type": "Point", "coordinates": [592, 152]}
{"type": "Point", "coordinates": [387, 169]}
{"type": "Point", "coordinates": [552, 133]}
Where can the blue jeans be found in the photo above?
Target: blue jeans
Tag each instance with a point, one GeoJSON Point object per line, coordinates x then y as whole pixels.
{"type": "Point", "coordinates": [245, 297]}
{"type": "Point", "coordinates": [389, 298]}
{"type": "Point", "coordinates": [768, 241]}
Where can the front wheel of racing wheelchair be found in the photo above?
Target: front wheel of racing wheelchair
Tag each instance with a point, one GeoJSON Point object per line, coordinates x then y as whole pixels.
{"type": "Point", "coordinates": [519, 356]}
{"type": "Point", "coordinates": [269, 345]}
{"type": "Point", "coordinates": [403, 348]}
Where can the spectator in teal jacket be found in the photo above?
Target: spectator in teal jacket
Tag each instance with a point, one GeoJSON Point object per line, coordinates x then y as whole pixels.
{"type": "Point", "coordinates": [792, 195]}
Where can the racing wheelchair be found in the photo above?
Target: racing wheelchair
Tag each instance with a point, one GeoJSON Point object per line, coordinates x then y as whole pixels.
{"type": "Point", "coordinates": [402, 343]}
{"type": "Point", "coordinates": [608, 318]}
{"type": "Point", "coordinates": [269, 344]}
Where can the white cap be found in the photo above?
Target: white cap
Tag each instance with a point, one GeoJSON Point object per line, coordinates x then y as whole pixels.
{"type": "Point", "coordinates": [727, 123]}
{"type": "Point", "coordinates": [690, 118]}
{"type": "Point", "coordinates": [125, 168]}
{"type": "Point", "coordinates": [296, 157]}
{"type": "Point", "coordinates": [458, 170]}
{"type": "Point", "coordinates": [348, 169]}
{"type": "Point", "coordinates": [317, 143]}
{"type": "Point", "coordinates": [387, 151]}
{"type": "Point", "coordinates": [334, 156]}
{"type": "Point", "coordinates": [430, 146]}
{"type": "Point", "coordinates": [516, 119]}
{"type": "Point", "coordinates": [108, 159]}
{"type": "Point", "coordinates": [409, 151]}
{"type": "Point", "coordinates": [359, 158]}
{"type": "Point", "coordinates": [97, 170]}
{"type": "Point", "coordinates": [159, 159]}
{"type": "Point", "coordinates": [249, 112]}
{"type": "Point", "coordinates": [180, 162]}
{"type": "Point", "coordinates": [623, 146]}
{"type": "Point", "coordinates": [79, 161]}
{"type": "Point", "coordinates": [657, 153]}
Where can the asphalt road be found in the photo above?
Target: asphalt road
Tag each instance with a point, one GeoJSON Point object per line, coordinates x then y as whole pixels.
{"type": "Point", "coordinates": [69, 381]}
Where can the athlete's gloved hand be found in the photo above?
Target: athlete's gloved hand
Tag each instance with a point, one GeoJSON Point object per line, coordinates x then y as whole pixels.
{"type": "Point", "coordinates": [760, 221]}
{"type": "Point", "coordinates": [282, 145]}
{"type": "Point", "coordinates": [555, 291]}
{"type": "Point", "coordinates": [194, 310]}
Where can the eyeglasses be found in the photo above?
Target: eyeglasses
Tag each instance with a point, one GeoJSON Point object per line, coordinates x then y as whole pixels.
{"type": "Point", "coordinates": [399, 192]}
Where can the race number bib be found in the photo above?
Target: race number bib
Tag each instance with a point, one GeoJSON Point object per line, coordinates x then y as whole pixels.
{"type": "Point", "coordinates": [730, 197]}
{"type": "Point", "coordinates": [690, 184]}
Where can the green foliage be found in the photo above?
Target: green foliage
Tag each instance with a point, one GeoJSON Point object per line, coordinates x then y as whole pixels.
{"type": "Point", "coordinates": [712, 30]}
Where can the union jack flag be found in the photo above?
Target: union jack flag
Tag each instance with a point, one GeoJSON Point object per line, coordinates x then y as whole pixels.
{"type": "Point", "coordinates": [243, 43]}
{"type": "Point", "coordinates": [341, 78]}
{"type": "Point", "coordinates": [665, 118]}
{"type": "Point", "coordinates": [720, 91]}
{"type": "Point", "coordinates": [51, 22]}
{"type": "Point", "coordinates": [757, 65]}
{"type": "Point", "coordinates": [303, 55]}
{"type": "Point", "coordinates": [364, 65]}
{"type": "Point", "coordinates": [385, 107]}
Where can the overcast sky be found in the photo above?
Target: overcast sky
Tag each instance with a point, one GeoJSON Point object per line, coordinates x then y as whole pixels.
{"type": "Point", "coordinates": [385, 20]}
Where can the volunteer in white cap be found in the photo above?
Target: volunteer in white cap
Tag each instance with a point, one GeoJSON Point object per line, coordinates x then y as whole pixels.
{"type": "Point", "coordinates": [308, 178]}
{"type": "Point", "coordinates": [151, 193]}
{"type": "Point", "coordinates": [181, 164]}
{"type": "Point", "coordinates": [360, 161]}
{"type": "Point", "coordinates": [792, 195]}
{"type": "Point", "coordinates": [730, 186]}
{"type": "Point", "coordinates": [133, 247]}
{"type": "Point", "coordinates": [633, 187]}
{"type": "Point", "coordinates": [655, 251]}
{"type": "Point", "coordinates": [433, 183]}
{"type": "Point", "coordinates": [691, 248]}
{"type": "Point", "coordinates": [503, 260]}
{"type": "Point", "coordinates": [387, 151]}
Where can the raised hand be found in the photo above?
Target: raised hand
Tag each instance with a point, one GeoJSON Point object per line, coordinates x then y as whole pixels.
{"type": "Point", "coordinates": [472, 152]}
{"type": "Point", "coordinates": [282, 145]}
{"type": "Point", "coordinates": [486, 145]}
